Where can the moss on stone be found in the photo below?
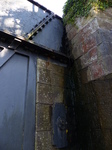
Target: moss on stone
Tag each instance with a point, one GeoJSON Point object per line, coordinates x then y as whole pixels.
{"type": "Point", "coordinates": [80, 8]}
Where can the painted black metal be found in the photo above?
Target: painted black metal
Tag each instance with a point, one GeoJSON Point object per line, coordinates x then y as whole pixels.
{"type": "Point", "coordinates": [38, 27]}
{"type": "Point", "coordinates": [39, 49]}
{"type": "Point", "coordinates": [29, 128]}
{"type": "Point", "coordinates": [24, 16]}
{"type": "Point", "coordinates": [59, 126]}
{"type": "Point", "coordinates": [5, 55]}
{"type": "Point", "coordinates": [13, 75]}
{"type": "Point", "coordinates": [15, 44]}
{"type": "Point", "coordinates": [17, 98]}
{"type": "Point", "coordinates": [1, 48]}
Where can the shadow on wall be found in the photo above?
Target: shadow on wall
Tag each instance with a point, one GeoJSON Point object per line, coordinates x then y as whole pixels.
{"type": "Point", "coordinates": [93, 113]}
{"type": "Point", "coordinates": [19, 17]}
{"type": "Point", "coordinates": [19, 21]}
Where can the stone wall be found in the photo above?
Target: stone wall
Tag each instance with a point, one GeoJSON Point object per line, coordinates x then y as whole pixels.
{"type": "Point", "coordinates": [90, 41]}
{"type": "Point", "coordinates": [50, 89]}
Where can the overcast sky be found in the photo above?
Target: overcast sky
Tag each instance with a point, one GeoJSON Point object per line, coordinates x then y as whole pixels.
{"type": "Point", "coordinates": [54, 5]}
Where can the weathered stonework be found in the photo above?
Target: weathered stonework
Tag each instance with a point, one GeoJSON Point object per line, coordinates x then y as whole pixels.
{"type": "Point", "coordinates": [46, 97]}
{"type": "Point", "coordinates": [91, 42]}
{"type": "Point", "coordinates": [50, 90]}
{"type": "Point", "coordinates": [43, 118]}
{"type": "Point", "coordinates": [43, 140]}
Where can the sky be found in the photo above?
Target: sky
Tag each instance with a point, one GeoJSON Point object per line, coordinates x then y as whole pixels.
{"type": "Point", "coordinates": [54, 5]}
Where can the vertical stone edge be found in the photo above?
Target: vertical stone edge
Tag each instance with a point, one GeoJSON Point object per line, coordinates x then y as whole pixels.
{"type": "Point", "coordinates": [53, 76]}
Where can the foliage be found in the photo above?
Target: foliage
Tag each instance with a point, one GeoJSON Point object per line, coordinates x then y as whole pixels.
{"type": "Point", "coordinates": [79, 8]}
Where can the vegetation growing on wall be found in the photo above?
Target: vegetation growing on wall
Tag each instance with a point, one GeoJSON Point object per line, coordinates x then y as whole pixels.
{"type": "Point", "coordinates": [79, 8]}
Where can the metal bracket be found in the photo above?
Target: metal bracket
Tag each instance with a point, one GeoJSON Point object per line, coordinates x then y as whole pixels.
{"type": "Point", "coordinates": [15, 44]}
{"type": "Point", "coordinates": [39, 27]}
{"type": "Point", "coordinates": [59, 125]}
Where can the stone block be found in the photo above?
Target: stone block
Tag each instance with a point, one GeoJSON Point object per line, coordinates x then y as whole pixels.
{"type": "Point", "coordinates": [77, 51]}
{"type": "Point", "coordinates": [97, 138]}
{"type": "Point", "coordinates": [44, 94]}
{"type": "Point", "coordinates": [57, 94]}
{"type": "Point", "coordinates": [107, 77]}
{"type": "Point", "coordinates": [89, 43]}
{"type": "Point", "coordinates": [85, 61]}
{"type": "Point", "coordinates": [104, 49]}
{"type": "Point", "coordinates": [69, 27]}
{"type": "Point", "coordinates": [46, 64]}
{"type": "Point", "coordinates": [94, 25]}
{"type": "Point", "coordinates": [104, 24]}
{"type": "Point", "coordinates": [97, 35]}
{"type": "Point", "coordinates": [97, 70]}
{"type": "Point", "coordinates": [105, 114]}
{"type": "Point", "coordinates": [72, 33]}
{"type": "Point", "coordinates": [44, 141]}
{"type": "Point", "coordinates": [107, 133]}
{"type": "Point", "coordinates": [107, 62]}
{"type": "Point", "coordinates": [43, 76]}
{"type": "Point", "coordinates": [90, 93]}
{"type": "Point", "coordinates": [103, 35]}
{"type": "Point", "coordinates": [76, 40]}
{"type": "Point", "coordinates": [84, 75]}
{"type": "Point", "coordinates": [41, 63]}
{"type": "Point", "coordinates": [93, 54]}
{"type": "Point", "coordinates": [55, 68]}
{"type": "Point", "coordinates": [78, 64]}
{"type": "Point", "coordinates": [93, 114]}
{"type": "Point", "coordinates": [85, 32]}
{"type": "Point", "coordinates": [43, 117]}
{"type": "Point", "coordinates": [103, 91]}
{"type": "Point", "coordinates": [57, 80]}
{"type": "Point", "coordinates": [95, 122]}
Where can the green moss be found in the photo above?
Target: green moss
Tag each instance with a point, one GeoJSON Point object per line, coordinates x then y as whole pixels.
{"type": "Point", "coordinates": [80, 8]}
